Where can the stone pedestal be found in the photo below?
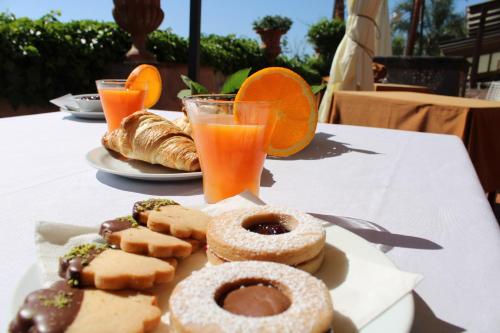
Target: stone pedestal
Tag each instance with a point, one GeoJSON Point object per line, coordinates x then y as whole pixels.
{"type": "Point", "coordinates": [139, 18]}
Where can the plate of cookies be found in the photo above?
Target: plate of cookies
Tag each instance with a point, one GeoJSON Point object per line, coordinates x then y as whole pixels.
{"type": "Point", "coordinates": [170, 268]}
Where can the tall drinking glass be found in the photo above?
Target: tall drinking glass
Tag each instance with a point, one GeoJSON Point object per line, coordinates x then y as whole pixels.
{"type": "Point", "coordinates": [119, 101]}
{"type": "Point", "coordinates": [231, 139]}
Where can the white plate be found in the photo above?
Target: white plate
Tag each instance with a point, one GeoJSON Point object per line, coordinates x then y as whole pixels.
{"type": "Point", "coordinates": [397, 318]}
{"type": "Point", "coordinates": [84, 114]}
{"type": "Point", "coordinates": [104, 160]}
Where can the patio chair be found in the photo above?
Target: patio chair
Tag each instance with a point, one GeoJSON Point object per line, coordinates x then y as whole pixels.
{"type": "Point", "coordinates": [442, 75]}
{"type": "Point", "coordinates": [494, 91]}
{"type": "Point", "coordinates": [482, 42]}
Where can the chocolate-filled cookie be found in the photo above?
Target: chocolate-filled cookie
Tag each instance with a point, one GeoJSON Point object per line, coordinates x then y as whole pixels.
{"type": "Point", "coordinates": [251, 296]}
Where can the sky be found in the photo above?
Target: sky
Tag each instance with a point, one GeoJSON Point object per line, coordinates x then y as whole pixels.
{"type": "Point", "coordinates": [218, 16]}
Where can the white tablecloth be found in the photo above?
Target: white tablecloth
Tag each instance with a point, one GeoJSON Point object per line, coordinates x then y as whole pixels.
{"type": "Point", "coordinates": [422, 188]}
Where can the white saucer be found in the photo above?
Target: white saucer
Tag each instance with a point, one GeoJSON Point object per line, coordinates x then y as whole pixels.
{"type": "Point", "coordinates": [110, 162]}
{"type": "Point", "coordinates": [84, 114]}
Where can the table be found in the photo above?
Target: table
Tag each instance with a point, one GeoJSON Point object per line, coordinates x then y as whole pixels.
{"type": "Point", "coordinates": [476, 122]}
{"type": "Point", "coordinates": [400, 87]}
{"type": "Point", "coordinates": [422, 188]}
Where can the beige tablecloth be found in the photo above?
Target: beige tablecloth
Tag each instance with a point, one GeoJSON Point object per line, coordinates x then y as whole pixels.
{"type": "Point", "coordinates": [476, 122]}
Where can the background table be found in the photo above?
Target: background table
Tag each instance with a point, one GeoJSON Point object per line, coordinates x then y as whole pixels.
{"type": "Point", "coordinates": [421, 188]}
{"type": "Point", "coordinates": [400, 87]}
{"type": "Point", "coordinates": [476, 122]}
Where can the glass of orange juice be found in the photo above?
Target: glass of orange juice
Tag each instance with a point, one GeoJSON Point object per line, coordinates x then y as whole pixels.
{"type": "Point", "coordinates": [231, 139]}
{"type": "Point", "coordinates": [119, 101]}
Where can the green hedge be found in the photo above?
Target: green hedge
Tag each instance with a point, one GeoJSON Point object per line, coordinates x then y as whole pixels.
{"type": "Point", "coordinates": [44, 58]}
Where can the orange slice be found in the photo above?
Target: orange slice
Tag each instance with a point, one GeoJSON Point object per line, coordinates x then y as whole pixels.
{"type": "Point", "coordinates": [149, 75]}
{"type": "Point", "coordinates": [296, 108]}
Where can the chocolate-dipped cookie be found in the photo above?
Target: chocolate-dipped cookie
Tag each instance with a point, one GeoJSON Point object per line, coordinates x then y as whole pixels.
{"type": "Point", "coordinates": [97, 265]}
{"type": "Point", "coordinates": [141, 209]}
{"type": "Point", "coordinates": [168, 217]}
{"type": "Point", "coordinates": [126, 234]}
{"type": "Point", "coordinates": [61, 308]}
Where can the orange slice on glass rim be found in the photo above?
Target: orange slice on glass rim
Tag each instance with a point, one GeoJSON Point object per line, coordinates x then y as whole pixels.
{"type": "Point", "coordinates": [149, 75]}
{"type": "Point", "coordinates": [297, 115]}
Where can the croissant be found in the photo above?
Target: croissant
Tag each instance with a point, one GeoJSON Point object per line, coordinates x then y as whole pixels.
{"type": "Point", "coordinates": [184, 124]}
{"type": "Point", "coordinates": [148, 137]}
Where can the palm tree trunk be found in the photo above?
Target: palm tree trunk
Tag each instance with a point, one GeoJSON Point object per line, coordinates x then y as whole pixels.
{"type": "Point", "coordinates": [412, 33]}
{"type": "Point", "coordinates": [338, 10]}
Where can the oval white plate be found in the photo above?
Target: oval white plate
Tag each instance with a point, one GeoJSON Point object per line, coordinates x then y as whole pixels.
{"type": "Point", "coordinates": [84, 114]}
{"type": "Point", "coordinates": [104, 160]}
{"type": "Point", "coordinates": [398, 318]}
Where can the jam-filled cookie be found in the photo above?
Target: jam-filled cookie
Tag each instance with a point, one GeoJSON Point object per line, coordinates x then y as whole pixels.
{"type": "Point", "coordinates": [267, 233]}
{"type": "Point", "coordinates": [61, 308]}
{"type": "Point", "coordinates": [250, 296]}
{"type": "Point", "coordinates": [97, 265]}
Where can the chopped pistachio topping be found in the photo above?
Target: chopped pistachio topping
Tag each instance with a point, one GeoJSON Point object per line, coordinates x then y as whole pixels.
{"type": "Point", "coordinates": [84, 250]}
{"type": "Point", "coordinates": [129, 218]}
{"type": "Point", "coordinates": [73, 282]}
{"type": "Point", "coordinates": [154, 204]}
{"type": "Point", "coordinates": [59, 300]}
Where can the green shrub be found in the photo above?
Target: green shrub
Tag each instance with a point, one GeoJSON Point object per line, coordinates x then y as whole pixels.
{"type": "Point", "coordinates": [274, 22]}
{"type": "Point", "coordinates": [325, 36]}
{"type": "Point", "coordinates": [44, 58]}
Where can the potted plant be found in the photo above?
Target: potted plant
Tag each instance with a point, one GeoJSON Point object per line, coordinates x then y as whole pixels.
{"type": "Point", "coordinates": [270, 29]}
{"type": "Point", "coordinates": [325, 36]}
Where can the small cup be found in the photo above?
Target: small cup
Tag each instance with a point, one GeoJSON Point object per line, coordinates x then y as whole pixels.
{"type": "Point", "coordinates": [88, 102]}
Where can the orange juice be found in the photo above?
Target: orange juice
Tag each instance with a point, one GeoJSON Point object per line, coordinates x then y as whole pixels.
{"type": "Point", "coordinates": [120, 103]}
{"type": "Point", "coordinates": [231, 155]}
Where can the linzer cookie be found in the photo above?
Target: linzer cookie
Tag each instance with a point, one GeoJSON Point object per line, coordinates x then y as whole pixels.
{"type": "Point", "coordinates": [250, 296]}
{"type": "Point", "coordinates": [268, 234]}
{"type": "Point", "coordinates": [61, 308]}
{"type": "Point", "coordinates": [126, 234]}
{"type": "Point", "coordinates": [96, 265]}
{"type": "Point", "coordinates": [168, 217]}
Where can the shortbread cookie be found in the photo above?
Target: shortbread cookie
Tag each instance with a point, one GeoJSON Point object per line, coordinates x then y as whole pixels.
{"type": "Point", "coordinates": [251, 296]}
{"type": "Point", "coordinates": [141, 209]}
{"type": "Point", "coordinates": [168, 217]}
{"type": "Point", "coordinates": [61, 308]}
{"type": "Point", "coordinates": [96, 265]}
{"type": "Point", "coordinates": [126, 234]}
{"type": "Point", "coordinates": [267, 233]}
{"type": "Point", "coordinates": [179, 221]}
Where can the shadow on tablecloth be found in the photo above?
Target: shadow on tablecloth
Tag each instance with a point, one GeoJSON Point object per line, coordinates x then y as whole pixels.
{"type": "Point", "coordinates": [426, 321]}
{"type": "Point", "coordinates": [267, 178]}
{"type": "Point", "coordinates": [323, 147]}
{"type": "Point", "coordinates": [83, 120]}
{"type": "Point", "coordinates": [179, 188]}
{"type": "Point", "coordinates": [381, 236]}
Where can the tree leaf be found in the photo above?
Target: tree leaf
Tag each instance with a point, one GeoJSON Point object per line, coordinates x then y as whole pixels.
{"type": "Point", "coordinates": [184, 93]}
{"type": "Point", "coordinates": [235, 80]}
{"type": "Point", "coordinates": [316, 88]}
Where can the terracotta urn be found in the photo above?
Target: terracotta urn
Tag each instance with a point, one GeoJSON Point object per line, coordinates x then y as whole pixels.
{"type": "Point", "coordinates": [139, 18]}
{"type": "Point", "coordinates": [271, 40]}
